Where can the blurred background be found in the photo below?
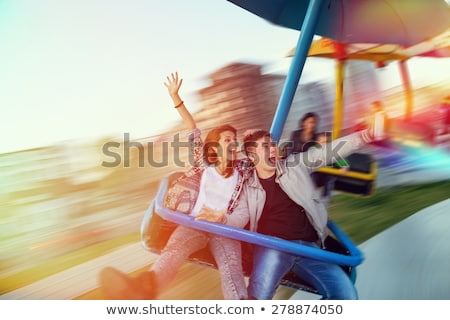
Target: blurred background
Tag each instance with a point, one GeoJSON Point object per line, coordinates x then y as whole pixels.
{"type": "Point", "coordinates": [86, 122]}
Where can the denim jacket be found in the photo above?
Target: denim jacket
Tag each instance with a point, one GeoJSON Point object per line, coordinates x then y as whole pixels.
{"type": "Point", "coordinates": [294, 176]}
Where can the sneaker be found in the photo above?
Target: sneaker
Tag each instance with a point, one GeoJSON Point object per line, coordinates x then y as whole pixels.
{"type": "Point", "coordinates": [116, 285]}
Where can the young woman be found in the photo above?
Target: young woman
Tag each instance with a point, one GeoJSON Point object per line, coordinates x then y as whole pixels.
{"type": "Point", "coordinates": [220, 185]}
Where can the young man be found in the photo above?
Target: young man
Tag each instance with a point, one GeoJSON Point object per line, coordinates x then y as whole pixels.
{"type": "Point", "coordinates": [283, 201]}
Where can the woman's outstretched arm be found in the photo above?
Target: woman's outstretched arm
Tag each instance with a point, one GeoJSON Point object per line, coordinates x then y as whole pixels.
{"type": "Point", "coordinates": [173, 85]}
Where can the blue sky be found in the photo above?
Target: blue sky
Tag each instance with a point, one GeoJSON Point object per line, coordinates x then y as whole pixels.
{"type": "Point", "coordinates": [88, 68]}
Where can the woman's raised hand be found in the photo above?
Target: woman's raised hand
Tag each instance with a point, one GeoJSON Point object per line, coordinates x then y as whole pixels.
{"type": "Point", "coordinates": [211, 215]}
{"type": "Point", "coordinates": [173, 84]}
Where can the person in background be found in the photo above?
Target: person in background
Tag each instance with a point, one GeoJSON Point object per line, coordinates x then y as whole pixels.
{"type": "Point", "coordinates": [306, 136]}
{"type": "Point", "coordinates": [445, 109]}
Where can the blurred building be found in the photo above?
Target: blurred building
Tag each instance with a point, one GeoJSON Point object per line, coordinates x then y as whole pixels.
{"type": "Point", "coordinates": [240, 94]}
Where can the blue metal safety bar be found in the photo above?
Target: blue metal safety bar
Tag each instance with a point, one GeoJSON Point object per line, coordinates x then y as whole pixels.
{"type": "Point", "coordinates": [355, 258]}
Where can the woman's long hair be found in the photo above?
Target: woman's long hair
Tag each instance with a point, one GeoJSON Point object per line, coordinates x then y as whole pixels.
{"type": "Point", "coordinates": [212, 141]}
{"type": "Point", "coordinates": [306, 117]}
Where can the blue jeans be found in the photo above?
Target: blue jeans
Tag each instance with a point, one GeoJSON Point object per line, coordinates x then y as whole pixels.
{"type": "Point", "coordinates": [227, 253]}
{"type": "Point", "coordinates": [270, 265]}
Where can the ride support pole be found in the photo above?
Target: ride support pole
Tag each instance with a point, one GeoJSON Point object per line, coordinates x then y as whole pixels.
{"type": "Point", "coordinates": [408, 90]}
{"type": "Point", "coordinates": [295, 70]}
